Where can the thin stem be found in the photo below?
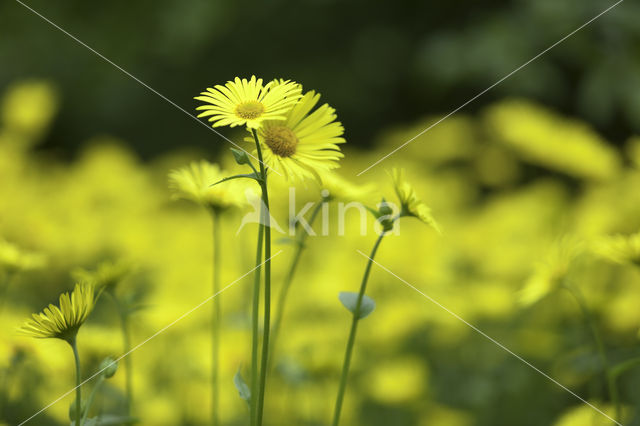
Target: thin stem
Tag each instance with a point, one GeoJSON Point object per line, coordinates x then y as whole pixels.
{"type": "Point", "coordinates": [215, 321]}
{"type": "Point", "coordinates": [76, 357]}
{"type": "Point", "coordinates": [282, 298]}
{"type": "Point", "coordinates": [352, 334]}
{"type": "Point", "coordinates": [610, 379]}
{"type": "Point", "coordinates": [267, 286]}
{"type": "Point", "coordinates": [91, 398]}
{"type": "Point", "coordinates": [255, 322]}
{"type": "Point", "coordinates": [128, 362]}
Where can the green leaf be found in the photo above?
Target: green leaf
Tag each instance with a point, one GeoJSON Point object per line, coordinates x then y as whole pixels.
{"type": "Point", "coordinates": [350, 301]}
{"type": "Point", "coordinates": [243, 389]}
{"type": "Point", "coordinates": [249, 176]}
{"type": "Point", "coordinates": [241, 156]}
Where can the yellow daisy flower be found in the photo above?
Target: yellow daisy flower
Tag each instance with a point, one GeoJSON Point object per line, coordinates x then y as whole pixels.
{"type": "Point", "coordinates": [63, 322]}
{"type": "Point", "coordinates": [619, 248]}
{"type": "Point", "coordinates": [194, 183]}
{"type": "Point", "coordinates": [247, 102]}
{"type": "Point", "coordinates": [410, 204]}
{"type": "Point", "coordinates": [549, 274]}
{"type": "Point", "coordinates": [305, 144]}
{"type": "Point", "coordinates": [106, 276]}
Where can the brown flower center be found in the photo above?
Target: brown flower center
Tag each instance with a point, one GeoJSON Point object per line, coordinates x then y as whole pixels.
{"type": "Point", "coordinates": [249, 110]}
{"type": "Point", "coordinates": [281, 140]}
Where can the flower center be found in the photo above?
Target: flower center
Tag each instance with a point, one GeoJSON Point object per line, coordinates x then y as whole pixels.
{"type": "Point", "coordinates": [281, 140]}
{"type": "Point", "coordinates": [249, 110]}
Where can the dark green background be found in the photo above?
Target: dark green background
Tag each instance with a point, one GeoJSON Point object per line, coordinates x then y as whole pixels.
{"type": "Point", "coordinates": [377, 63]}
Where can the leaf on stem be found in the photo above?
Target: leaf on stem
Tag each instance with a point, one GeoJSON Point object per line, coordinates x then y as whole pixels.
{"type": "Point", "coordinates": [243, 389]}
{"type": "Point", "coordinates": [248, 176]}
{"type": "Point", "coordinates": [350, 301]}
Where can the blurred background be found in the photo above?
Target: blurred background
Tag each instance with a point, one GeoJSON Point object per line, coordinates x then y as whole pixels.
{"type": "Point", "coordinates": [525, 181]}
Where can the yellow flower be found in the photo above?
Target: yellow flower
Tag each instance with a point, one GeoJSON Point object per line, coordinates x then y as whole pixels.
{"type": "Point", "coordinates": [247, 102]}
{"type": "Point", "coordinates": [549, 274]}
{"type": "Point", "coordinates": [63, 322]}
{"type": "Point", "coordinates": [619, 248]}
{"type": "Point", "coordinates": [13, 259]}
{"type": "Point", "coordinates": [106, 276]}
{"type": "Point", "coordinates": [305, 144]}
{"type": "Point", "coordinates": [194, 183]}
{"type": "Point", "coordinates": [335, 187]}
{"type": "Point", "coordinates": [410, 204]}
{"type": "Point", "coordinates": [28, 108]}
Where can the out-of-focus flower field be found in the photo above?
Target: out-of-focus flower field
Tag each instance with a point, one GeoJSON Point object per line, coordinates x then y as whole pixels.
{"type": "Point", "coordinates": [526, 198]}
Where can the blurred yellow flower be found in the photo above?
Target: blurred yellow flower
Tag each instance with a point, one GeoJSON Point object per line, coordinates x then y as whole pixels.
{"type": "Point", "coordinates": [14, 259]}
{"type": "Point", "coordinates": [544, 138]}
{"type": "Point", "coordinates": [410, 204]}
{"type": "Point", "coordinates": [63, 322]}
{"type": "Point", "coordinates": [28, 107]}
{"type": "Point", "coordinates": [548, 274]}
{"type": "Point", "coordinates": [305, 144]}
{"type": "Point", "coordinates": [106, 276]}
{"type": "Point", "coordinates": [337, 187]}
{"type": "Point", "coordinates": [583, 415]}
{"type": "Point", "coordinates": [619, 248]}
{"type": "Point", "coordinates": [247, 102]}
{"type": "Point", "coordinates": [398, 381]}
{"type": "Point", "coordinates": [194, 183]}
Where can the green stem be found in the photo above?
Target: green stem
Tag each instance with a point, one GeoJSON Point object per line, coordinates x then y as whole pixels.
{"type": "Point", "coordinates": [91, 398]}
{"type": "Point", "coordinates": [267, 286]}
{"type": "Point", "coordinates": [282, 298]}
{"type": "Point", "coordinates": [352, 334]}
{"type": "Point", "coordinates": [255, 323]}
{"type": "Point", "coordinates": [76, 357]}
{"type": "Point", "coordinates": [215, 321]}
{"type": "Point", "coordinates": [128, 362]}
{"type": "Point", "coordinates": [610, 379]}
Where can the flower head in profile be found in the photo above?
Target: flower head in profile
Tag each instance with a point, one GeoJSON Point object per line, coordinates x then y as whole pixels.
{"type": "Point", "coordinates": [14, 259]}
{"type": "Point", "coordinates": [107, 275]}
{"type": "Point", "coordinates": [548, 274]}
{"type": "Point", "coordinates": [410, 204]}
{"type": "Point", "coordinates": [64, 321]}
{"type": "Point", "coordinates": [619, 248]}
{"type": "Point", "coordinates": [248, 103]}
{"type": "Point", "coordinates": [195, 181]}
{"type": "Point", "coordinates": [306, 143]}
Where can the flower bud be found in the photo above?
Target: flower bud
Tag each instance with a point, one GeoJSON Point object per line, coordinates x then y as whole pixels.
{"type": "Point", "coordinates": [108, 366]}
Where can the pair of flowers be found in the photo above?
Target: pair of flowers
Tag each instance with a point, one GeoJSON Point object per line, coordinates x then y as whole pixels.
{"type": "Point", "coordinates": [296, 141]}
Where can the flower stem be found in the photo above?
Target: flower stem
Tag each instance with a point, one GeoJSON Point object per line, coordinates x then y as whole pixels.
{"type": "Point", "coordinates": [215, 321]}
{"type": "Point", "coordinates": [267, 285]}
{"type": "Point", "coordinates": [352, 334]}
{"type": "Point", "coordinates": [282, 298]}
{"type": "Point", "coordinates": [610, 379]}
{"type": "Point", "coordinates": [92, 396]}
{"type": "Point", "coordinates": [128, 363]}
{"type": "Point", "coordinates": [255, 325]}
{"type": "Point", "coordinates": [76, 357]}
